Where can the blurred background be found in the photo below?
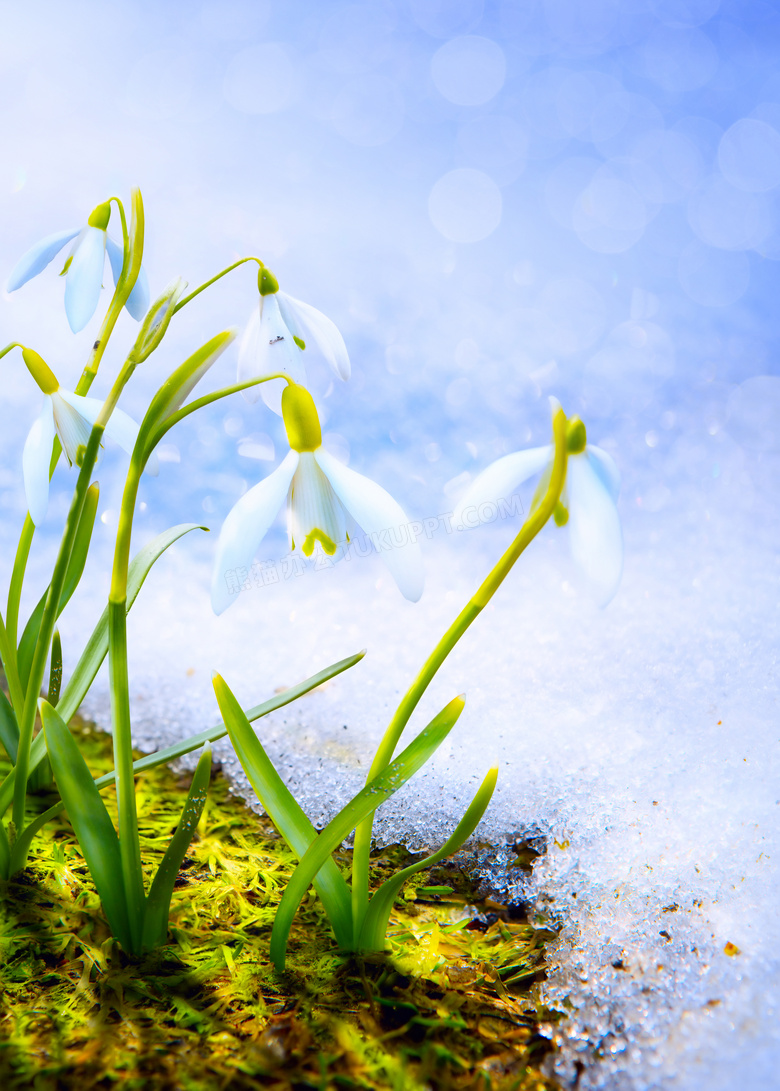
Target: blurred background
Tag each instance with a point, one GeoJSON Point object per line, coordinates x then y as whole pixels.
{"type": "Point", "coordinates": [495, 201]}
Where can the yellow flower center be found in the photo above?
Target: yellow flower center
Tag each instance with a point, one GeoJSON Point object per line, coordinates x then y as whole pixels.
{"type": "Point", "coordinates": [300, 418]}
{"type": "Point", "coordinates": [320, 536]}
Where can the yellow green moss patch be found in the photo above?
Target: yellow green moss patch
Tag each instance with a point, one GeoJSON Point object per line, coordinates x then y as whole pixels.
{"type": "Point", "coordinates": [447, 1007]}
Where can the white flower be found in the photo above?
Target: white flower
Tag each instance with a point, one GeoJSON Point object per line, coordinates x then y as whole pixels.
{"type": "Point", "coordinates": [587, 504]}
{"type": "Point", "coordinates": [274, 338]}
{"type": "Point", "coordinates": [83, 268]}
{"type": "Point", "coordinates": [71, 417]}
{"type": "Point", "coordinates": [321, 494]}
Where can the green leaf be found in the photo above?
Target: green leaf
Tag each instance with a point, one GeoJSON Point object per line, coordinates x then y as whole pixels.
{"type": "Point", "coordinates": [363, 804]}
{"type": "Point", "coordinates": [37, 754]}
{"type": "Point", "coordinates": [170, 753]}
{"type": "Point", "coordinates": [284, 811]}
{"type": "Point", "coordinates": [194, 742]}
{"type": "Point", "coordinates": [97, 646]}
{"type": "Point", "coordinates": [23, 842]}
{"type": "Point", "coordinates": [180, 383]}
{"type": "Point", "coordinates": [73, 574]}
{"type": "Point", "coordinates": [5, 853]}
{"type": "Point", "coordinates": [372, 935]}
{"type": "Point", "coordinates": [166, 423]}
{"type": "Point", "coordinates": [158, 903]}
{"type": "Point", "coordinates": [90, 819]}
{"type": "Point", "coordinates": [55, 670]}
{"type": "Point", "coordinates": [9, 729]}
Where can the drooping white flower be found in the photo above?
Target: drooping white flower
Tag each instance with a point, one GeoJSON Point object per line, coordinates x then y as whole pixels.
{"type": "Point", "coordinates": [587, 505]}
{"type": "Point", "coordinates": [71, 417]}
{"type": "Point", "coordinates": [275, 337]}
{"type": "Point", "coordinates": [321, 494]}
{"type": "Point", "coordinates": [83, 268]}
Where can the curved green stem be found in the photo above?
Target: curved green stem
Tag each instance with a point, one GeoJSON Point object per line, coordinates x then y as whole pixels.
{"type": "Point", "coordinates": [200, 403]}
{"type": "Point", "coordinates": [472, 609]}
{"type": "Point", "coordinates": [208, 283]}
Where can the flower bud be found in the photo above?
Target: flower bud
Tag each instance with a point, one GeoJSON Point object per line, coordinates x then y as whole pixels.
{"type": "Point", "coordinates": [158, 318]}
{"type": "Point", "coordinates": [300, 418]}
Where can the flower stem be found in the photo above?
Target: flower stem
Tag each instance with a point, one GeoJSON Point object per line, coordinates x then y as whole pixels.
{"type": "Point", "coordinates": [27, 719]}
{"type": "Point", "coordinates": [475, 605]}
{"type": "Point", "coordinates": [214, 279]}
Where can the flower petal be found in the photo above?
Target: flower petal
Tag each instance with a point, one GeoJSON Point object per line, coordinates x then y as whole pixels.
{"type": "Point", "coordinates": [138, 301]}
{"type": "Point", "coordinates": [123, 430]}
{"type": "Point", "coordinates": [85, 277]}
{"type": "Point", "coordinates": [382, 518]}
{"type": "Point", "coordinates": [497, 482]}
{"type": "Point", "coordinates": [73, 419]}
{"type": "Point", "coordinates": [121, 427]}
{"type": "Point", "coordinates": [267, 348]}
{"type": "Point", "coordinates": [245, 527]}
{"type": "Point", "coordinates": [594, 528]}
{"type": "Point", "coordinates": [38, 257]}
{"type": "Point", "coordinates": [35, 463]}
{"type": "Point", "coordinates": [312, 325]}
{"type": "Point", "coordinates": [604, 466]}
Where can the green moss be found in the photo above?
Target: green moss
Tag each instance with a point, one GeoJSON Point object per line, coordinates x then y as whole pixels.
{"type": "Point", "coordinates": [447, 1006]}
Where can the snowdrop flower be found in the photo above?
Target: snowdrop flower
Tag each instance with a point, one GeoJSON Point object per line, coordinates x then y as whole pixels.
{"type": "Point", "coordinates": [321, 494]}
{"type": "Point", "coordinates": [587, 503]}
{"type": "Point", "coordinates": [275, 337]}
{"type": "Point", "coordinates": [83, 268]}
{"type": "Point", "coordinates": [71, 417]}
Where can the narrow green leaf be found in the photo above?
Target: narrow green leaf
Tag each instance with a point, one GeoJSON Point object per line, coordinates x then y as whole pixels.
{"type": "Point", "coordinates": [25, 839]}
{"type": "Point", "coordinates": [73, 574]}
{"type": "Point", "coordinates": [372, 935]}
{"type": "Point", "coordinates": [166, 423]}
{"type": "Point", "coordinates": [284, 811]}
{"type": "Point", "coordinates": [194, 742]}
{"type": "Point", "coordinates": [170, 753]}
{"type": "Point", "coordinates": [90, 819]}
{"type": "Point", "coordinates": [97, 646]}
{"type": "Point", "coordinates": [9, 729]}
{"type": "Point", "coordinates": [158, 903]}
{"type": "Point", "coordinates": [5, 854]}
{"type": "Point", "coordinates": [55, 670]}
{"type": "Point", "coordinates": [37, 753]}
{"type": "Point", "coordinates": [181, 382]}
{"type": "Point", "coordinates": [363, 804]}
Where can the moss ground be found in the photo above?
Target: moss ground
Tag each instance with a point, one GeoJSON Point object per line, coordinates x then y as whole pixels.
{"type": "Point", "coordinates": [449, 1006]}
